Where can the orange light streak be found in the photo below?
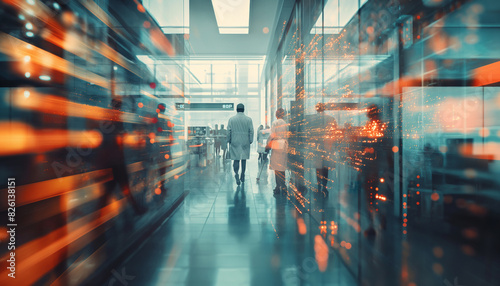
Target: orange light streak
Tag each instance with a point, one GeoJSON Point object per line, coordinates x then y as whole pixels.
{"type": "Point", "coordinates": [18, 49]}
{"type": "Point", "coordinates": [301, 226]}
{"type": "Point", "coordinates": [51, 104]}
{"type": "Point", "coordinates": [20, 138]}
{"type": "Point", "coordinates": [39, 256]}
{"type": "Point", "coordinates": [321, 250]}
{"type": "Point", "coordinates": [27, 194]}
{"type": "Point", "coordinates": [487, 74]}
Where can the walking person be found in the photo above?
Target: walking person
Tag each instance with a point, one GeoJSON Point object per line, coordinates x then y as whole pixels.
{"type": "Point", "coordinates": [223, 141]}
{"type": "Point", "coordinates": [278, 143]}
{"type": "Point", "coordinates": [260, 145]}
{"type": "Point", "coordinates": [217, 142]}
{"type": "Point", "coordinates": [239, 136]}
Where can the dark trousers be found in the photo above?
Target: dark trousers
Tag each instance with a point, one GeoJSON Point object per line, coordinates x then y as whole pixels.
{"type": "Point", "coordinates": [280, 180]}
{"type": "Point", "coordinates": [236, 166]}
{"type": "Point", "coordinates": [322, 178]}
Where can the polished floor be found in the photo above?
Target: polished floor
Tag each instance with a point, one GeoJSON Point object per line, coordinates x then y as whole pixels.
{"type": "Point", "coordinates": [224, 234]}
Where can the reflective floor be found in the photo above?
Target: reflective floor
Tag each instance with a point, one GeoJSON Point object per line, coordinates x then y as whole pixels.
{"type": "Point", "coordinates": [228, 235]}
{"type": "Point", "coordinates": [224, 234]}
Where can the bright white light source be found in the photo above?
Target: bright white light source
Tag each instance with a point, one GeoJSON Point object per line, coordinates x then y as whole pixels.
{"type": "Point", "coordinates": [21, 16]}
{"type": "Point", "coordinates": [145, 59]}
{"type": "Point", "coordinates": [29, 26]}
{"type": "Point", "coordinates": [30, 34]}
{"type": "Point", "coordinates": [44, 77]}
{"type": "Point", "coordinates": [31, 2]}
{"type": "Point", "coordinates": [27, 75]}
{"type": "Point", "coordinates": [115, 68]}
{"type": "Point", "coordinates": [26, 93]}
{"type": "Point", "coordinates": [56, 5]}
{"type": "Point", "coordinates": [233, 17]}
{"type": "Point", "coordinates": [27, 59]}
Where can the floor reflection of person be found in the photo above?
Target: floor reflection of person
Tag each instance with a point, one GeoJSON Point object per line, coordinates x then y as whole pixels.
{"type": "Point", "coordinates": [277, 142]}
{"type": "Point", "coordinates": [239, 214]}
{"type": "Point", "coordinates": [321, 132]}
{"type": "Point", "coordinates": [239, 136]}
{"type": "Point", "coordinates": [371, 138]}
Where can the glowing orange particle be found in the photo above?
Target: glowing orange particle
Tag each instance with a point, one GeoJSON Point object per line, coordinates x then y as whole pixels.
{"type": "Point", "coordinates": [140, 104]}
{"type": "Point", "coordinates": [395, 149]}
{"type": "Point", "coordinates": [438, 252]}
{"type": "Point", "coordinates": [167, 156]}
{"type": "Point", "coordinates": [382, 180]}
{"type": "Point", "coordinates": [141, 8]}
{"type": "Point", "coordinates": [158, 191]}
{"type": "Point", "coordinates": [435, 196]}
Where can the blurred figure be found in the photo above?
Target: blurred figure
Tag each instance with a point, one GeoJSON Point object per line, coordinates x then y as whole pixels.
{"type": "Point", "coordinates": [239, 136]}
{"type": "Point", "coordinates": [161, 130]}
{"type": "Point", "coordinates": [267, 133]}
{"type": "Point", "coordinates": [261, 127]}
{"type": "Point", "coordinates": [262, 136]}
{"type": "Point", "coordinates": [113, 146]}
{"type": "Point", "coordinates": [321, 132]}
{"type": "Point", "coordinates": [223, 140]}
{"type": "Point", "coordinates": [217, 140]}
{"type": "Point", "coordinates": [278, 143]}
{"type": "Point", "coordinates": [372, 134]}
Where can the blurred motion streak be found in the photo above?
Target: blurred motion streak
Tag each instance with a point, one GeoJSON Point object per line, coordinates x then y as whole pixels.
{"type": "Point", "coordinates": [18, 49]}
{"type": "Point", "coordinates": [39, 256]}
{"type": "Point", "coordinates": [19, 138]}
{"type": "Point", "coordinates": [52, 104]}
{"type": "Point", "coordinates": [486, 75]}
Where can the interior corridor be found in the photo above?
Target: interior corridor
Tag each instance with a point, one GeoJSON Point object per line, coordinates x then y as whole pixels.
{"type": "Point", "coordinates": [224, 234]}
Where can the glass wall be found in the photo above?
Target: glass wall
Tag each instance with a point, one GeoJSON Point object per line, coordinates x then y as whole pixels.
{"type": "Point", "coordinates": [393, 110]}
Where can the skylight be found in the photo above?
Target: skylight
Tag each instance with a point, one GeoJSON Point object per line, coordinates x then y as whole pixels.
{"type": "Point", "coordinates": [337, 14]}
{"type": "Point", "coordinates": [171, 15]}
{"type": "Point", "coordinates": [233, 16]}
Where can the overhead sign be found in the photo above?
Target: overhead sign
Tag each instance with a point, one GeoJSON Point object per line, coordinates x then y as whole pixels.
{"type": "Point", "coordinates": [205, 106]}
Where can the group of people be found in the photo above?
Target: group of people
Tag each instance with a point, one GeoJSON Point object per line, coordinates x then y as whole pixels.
{"type": "Point", "coordinates": [320, 135]}
{"type": "Point", "coordinates": [240, 135]}
{"type": "Point", "coordinates": [220, 136]}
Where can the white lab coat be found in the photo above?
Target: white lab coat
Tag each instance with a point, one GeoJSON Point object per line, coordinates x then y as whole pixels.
{"type": "Point", "coordinates": [239, 136]}
{"type": "Point", "coordinates": [279, 157]}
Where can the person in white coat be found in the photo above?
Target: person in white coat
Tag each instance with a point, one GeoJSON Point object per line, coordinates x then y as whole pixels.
{"type": "Point", "coordinates": [278, 143]}
{"type": "Point", "coordinates": [239, 136]}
